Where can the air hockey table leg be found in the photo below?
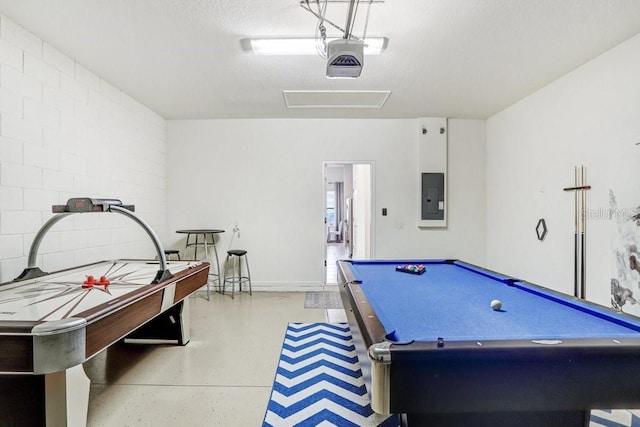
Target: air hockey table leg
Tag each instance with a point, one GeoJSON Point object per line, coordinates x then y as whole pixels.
{"type": "Point", "coordinates": [170, 327]}
{"type": "Point", "coordinates": [67, 397]}
{"type": "Point", "coordinates": [185, 325]}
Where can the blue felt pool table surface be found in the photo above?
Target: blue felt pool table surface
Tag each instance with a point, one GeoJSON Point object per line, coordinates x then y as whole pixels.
{"type": "Point", "coordinates": [453, 301]}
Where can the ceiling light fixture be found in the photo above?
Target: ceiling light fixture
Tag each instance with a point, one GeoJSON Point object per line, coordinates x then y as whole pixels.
{"type": "Point", "coordinates": [307, 46]}
{"type": "Point", "coordinates": [342, 1]}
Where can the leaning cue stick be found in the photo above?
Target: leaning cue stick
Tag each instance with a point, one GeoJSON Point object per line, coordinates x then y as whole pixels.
{"type": "Point", "coordinates": [583, 234]}
{"type": "Point", "coordinates": [576, 231]}
{"type": "Point", "coordinates": [579, 231]}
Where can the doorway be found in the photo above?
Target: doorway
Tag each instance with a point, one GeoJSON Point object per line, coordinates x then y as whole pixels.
{"type": "Point", "coordinates": [347, 226]}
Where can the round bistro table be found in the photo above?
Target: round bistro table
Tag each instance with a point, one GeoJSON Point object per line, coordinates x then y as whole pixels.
{"type": "Point", "coordinates": [203, 238]}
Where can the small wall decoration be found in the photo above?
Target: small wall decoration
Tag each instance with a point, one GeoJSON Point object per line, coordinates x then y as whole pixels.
{"type": "Point", "coordinates": [541, 229]}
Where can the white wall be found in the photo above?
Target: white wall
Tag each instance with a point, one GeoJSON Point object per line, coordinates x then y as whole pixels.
{"type": "Point", "coordinates": [65, 132]}
{"type": "Point", "coordinates": [532, 147]}
{"type": "Point", "coordinates": [335, 173]}
{"type": "Point", "coordinates": [223, 171]}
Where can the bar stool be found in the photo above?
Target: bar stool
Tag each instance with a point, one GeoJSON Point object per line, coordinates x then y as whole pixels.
{"type": "Point", "coordinates": [236, 256]}
{"type": "Point", "coordinates": [172, 252]}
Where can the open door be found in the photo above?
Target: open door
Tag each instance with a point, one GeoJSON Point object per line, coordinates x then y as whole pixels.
{"type": "Point", "coordinates": [347, 225]}
{"type": "Point", "coordinates": [361, 225]}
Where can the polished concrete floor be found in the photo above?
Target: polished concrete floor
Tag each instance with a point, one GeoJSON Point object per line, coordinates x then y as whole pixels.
{"type": "Point", "coordinates": [223, 377]}
{"type": "Point", "coordinates": [335, 252]}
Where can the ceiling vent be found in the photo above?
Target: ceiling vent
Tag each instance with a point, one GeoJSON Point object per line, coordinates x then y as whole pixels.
{"type": "Point", "coordinates": [345, 58]}
{"type": "Point", "coordinates": [335, 98]}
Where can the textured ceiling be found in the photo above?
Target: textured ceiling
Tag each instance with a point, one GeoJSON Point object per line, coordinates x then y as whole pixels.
{"type": "Point", "coordinates": [452, 58]}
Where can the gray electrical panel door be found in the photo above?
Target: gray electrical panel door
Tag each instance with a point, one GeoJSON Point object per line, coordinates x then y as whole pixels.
{"type": "Point", "coordinates": [432, 196]}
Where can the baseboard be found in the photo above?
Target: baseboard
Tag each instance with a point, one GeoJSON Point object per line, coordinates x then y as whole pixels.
{"type": "Point", "coordinates": [287, 286]}
{"type": "Point", "coordinates": [281, 287]}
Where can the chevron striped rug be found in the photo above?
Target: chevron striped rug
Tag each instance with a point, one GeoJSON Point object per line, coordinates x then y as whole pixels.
{"type": "Point", "coordinates": [319, 382]}
{"type": "Point", "coordinates": [615, 418]}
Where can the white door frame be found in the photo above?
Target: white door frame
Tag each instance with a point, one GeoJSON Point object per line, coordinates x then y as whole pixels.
{"type": "Point", "coordinates": [372, 203]}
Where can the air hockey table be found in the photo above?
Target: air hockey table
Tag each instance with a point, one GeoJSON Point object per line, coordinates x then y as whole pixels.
{"type": "Point", "coordinates": [50, 325]}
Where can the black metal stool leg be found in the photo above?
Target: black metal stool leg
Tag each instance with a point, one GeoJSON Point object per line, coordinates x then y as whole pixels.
{"type": "Point", "coordinates": [239, 274]}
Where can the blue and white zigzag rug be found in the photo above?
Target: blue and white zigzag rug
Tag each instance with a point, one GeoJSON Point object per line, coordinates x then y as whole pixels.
{"type": "Point", "coordinates": [319, 382]}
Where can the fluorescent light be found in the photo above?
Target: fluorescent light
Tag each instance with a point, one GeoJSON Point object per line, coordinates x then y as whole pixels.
{"type": "Point", "coordinates": [307, 46]}
{"type": "Point", "coordinates": [284, 46]}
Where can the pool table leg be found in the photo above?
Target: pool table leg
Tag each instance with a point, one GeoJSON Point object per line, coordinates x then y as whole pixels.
{"type": "Point", "coordinates": [67, 397]}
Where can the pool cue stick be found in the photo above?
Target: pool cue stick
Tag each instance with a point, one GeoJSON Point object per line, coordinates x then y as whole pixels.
{"type": "Point", "coordinates": [583, 234]}
{"type": "Point", "coordinates": [576, 230]}
{"type": "Point", "coordinates": [578, 186]}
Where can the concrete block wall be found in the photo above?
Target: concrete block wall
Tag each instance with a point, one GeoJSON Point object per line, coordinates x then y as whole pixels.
{"type": "Point", "coordinates": [66, 132]}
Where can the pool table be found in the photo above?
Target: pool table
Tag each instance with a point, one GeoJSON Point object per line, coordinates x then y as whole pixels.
{"type": "Point", "coordinates": [432, 348]}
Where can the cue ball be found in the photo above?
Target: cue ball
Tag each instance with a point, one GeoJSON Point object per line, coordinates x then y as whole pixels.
{"type": "Point", "coordinates": [496, 304]}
